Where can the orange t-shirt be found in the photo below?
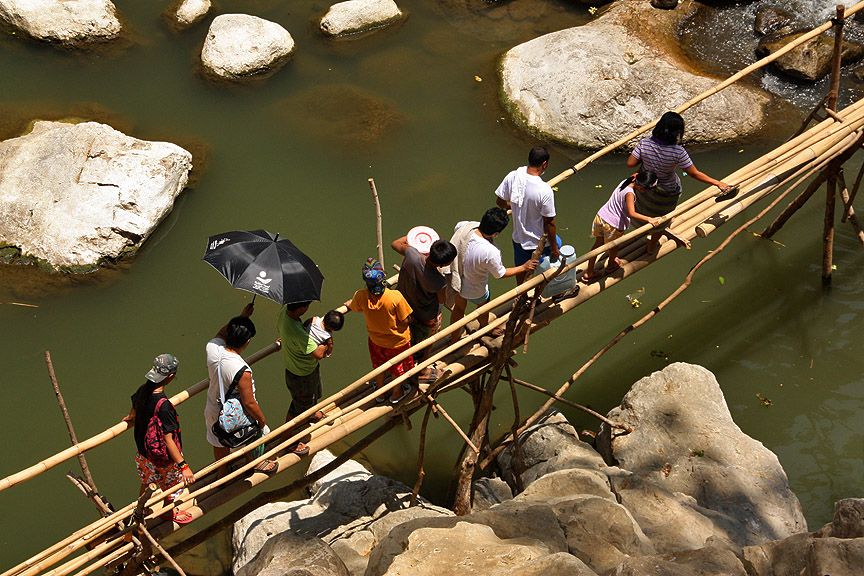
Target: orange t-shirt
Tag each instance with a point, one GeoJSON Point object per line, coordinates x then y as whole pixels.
{"type": "Point", "coordinates": [385, 317]}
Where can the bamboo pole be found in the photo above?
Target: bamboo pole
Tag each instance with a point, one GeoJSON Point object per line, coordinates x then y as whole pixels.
{"type": "Point", "coordinates": [85, 469]}
{"type": "Point", "coordinates": [703, 96]}
{"type": "Point", "coordinates": [456, 427]}
{"type": "Point", "coordinates": [570, 403]}
{"type": "Point", "coordinates": [853, 218]}
{"type": "Point", "coordinates": [831, 184]}
{"type": "Point", "coordinates": [421, 454]}
{"type": "Point", "coordinates": [161, 550]}
{"type": "Point", "coordinates": [378, 232]}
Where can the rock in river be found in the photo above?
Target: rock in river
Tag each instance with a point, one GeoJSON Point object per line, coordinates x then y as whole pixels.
{"type": "Point", "coordinates": [239, 45]}
{"type": "Point", "coordinates": [61, 21]}
{"type": "Point", "coordinates": [191, 11]}
{"type": "Point", "coordinates": [588, 86]}
{"type": "Point", "coordinates": [356, 16]}
{"type": "Point", "coordinates": [75, 195]}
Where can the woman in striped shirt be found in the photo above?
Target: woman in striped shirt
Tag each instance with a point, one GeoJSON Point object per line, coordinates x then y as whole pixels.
{"type": "Point", "coordinates": [661, 154]}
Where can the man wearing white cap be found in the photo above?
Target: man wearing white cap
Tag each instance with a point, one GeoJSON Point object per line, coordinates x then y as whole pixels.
{"type": "Point", "coordinates": [422, 284]}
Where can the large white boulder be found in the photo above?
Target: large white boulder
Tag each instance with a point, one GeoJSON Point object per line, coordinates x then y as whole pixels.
{"type": "Point", "coordinates": [240, 45]}
{"type": "Point", "coordinates": [74, 195]}
{"type": "Point", "coordinates": [591, 85]}
{"type": "Point", "coordinates": [64, 21]}
{"type": "Point", "coordinates": [191, 11]}
{"type": "Point", "coordinates": [356, 16]}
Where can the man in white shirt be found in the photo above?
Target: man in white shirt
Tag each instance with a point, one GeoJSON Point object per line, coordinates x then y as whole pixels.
{"type": "Point", "coordinates": [533, 205]}
{"type": "Point", "coordinates": [482, 259]}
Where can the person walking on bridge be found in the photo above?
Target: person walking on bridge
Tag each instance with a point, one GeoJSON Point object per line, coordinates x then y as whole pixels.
{"type": "Point", "coordinates": [533, 204]}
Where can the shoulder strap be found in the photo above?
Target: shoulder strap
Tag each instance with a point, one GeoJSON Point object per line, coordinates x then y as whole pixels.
{"type": "Point", "coordinates": [236, 380]}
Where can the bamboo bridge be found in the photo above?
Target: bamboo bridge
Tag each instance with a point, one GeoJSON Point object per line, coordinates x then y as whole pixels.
{"type": "Point", "coordinates": [128, 538]}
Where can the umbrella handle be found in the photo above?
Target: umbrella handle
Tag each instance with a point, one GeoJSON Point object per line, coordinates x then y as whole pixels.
{"type": "Point", "coordinates": [253, 299]}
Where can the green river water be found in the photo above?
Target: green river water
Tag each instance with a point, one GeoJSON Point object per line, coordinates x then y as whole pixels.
{"type": "Point", "coordinates": [292, 154]}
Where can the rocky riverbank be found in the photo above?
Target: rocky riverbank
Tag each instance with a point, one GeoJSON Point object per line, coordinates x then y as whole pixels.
{"type": "Point", "coordinates": [686, 492]}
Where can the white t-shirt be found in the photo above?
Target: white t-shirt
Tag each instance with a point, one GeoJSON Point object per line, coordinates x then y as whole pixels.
{"type": "Point", "coordinates": [482, 258]}
{"type": "Point", "coordinates": [220, 360]}
{"type": "Point", "coordinates": [531, 199]}
{"type": "Point", "coordinates": [317, 331]}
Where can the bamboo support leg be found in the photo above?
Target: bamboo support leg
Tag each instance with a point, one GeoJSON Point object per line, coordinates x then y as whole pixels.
{"type": "Point", "coordinates": [571, 404]}
{"type": "Point", "coordinates": [421, 454]}
{"type": "Point", "coordinates": [69, 427]}
{"type": "Point", "coordinates": [793, 207]}
{"type": "Point", "coordinates": [828, 231]}
{"type": "Point", "coordinates": [853, 218]}
{"type": "Point", "coordinates": [851, 199]}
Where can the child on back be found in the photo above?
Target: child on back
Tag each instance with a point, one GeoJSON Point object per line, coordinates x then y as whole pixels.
{"type": "Point", "coordinates": [321, 329]}
{"type": "Point", "coordinates": [388, 316]}
{"type": "Point", "coordinates": [614, 218]}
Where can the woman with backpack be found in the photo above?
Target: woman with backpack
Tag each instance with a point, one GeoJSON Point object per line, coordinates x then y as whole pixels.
{"type": "Point", "coordinates": [157, 434]}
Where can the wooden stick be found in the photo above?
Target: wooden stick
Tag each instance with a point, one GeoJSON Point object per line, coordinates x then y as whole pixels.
{"type": "Point", "coordinates": [853, 218]}
{"type": "Point", "coordinates": [69, 427]}
{"type": "Point", "coordinates": [456, 427]}
{"type": "Point", "coordinates": [161, 550]}
{"type": "Point", "coordinates": [831, 184]}
{"type": "Point", "coordinates": [378, 232]}
{"type": "Point", "coordinates": [570, 403]}
{"type": "Point", "coordinates": [421, 454]}
{"type": "Point", "coordinates": [518, 460]}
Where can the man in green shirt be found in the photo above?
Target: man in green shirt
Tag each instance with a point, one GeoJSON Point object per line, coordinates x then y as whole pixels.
{"type": "Point", "coordinates": [301, 354]}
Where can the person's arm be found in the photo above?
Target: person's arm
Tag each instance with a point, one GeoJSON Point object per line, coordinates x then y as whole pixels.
{"type": "Point", "coordinates": [630, 201]}
{"type": "Point", "coordinates": [247, 399]}
{"type": "Point", "coordinates": [130, 417]}
{"type": "Point", "coordinates": [694, 172]}
{"type": "Point", "coordinates": [501, 203]}
{"type": "Point", "coordinates": [400, 245]}
{"type": "Point", "coordinates": [527, 266]}
{"type": "Point", "coordinates": [632, 161]}
{"type": "Point", "coordinates": [551, 236]}
{"type": "Point", "coordinates": [177, 457]}
{"type": "Point", "coordinates": [319, 352]}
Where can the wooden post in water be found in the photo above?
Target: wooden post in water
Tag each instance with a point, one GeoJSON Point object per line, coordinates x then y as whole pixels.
{"type": "Point", "coordinates": [831, 184]}
{"type": "Point", "coordinates": [71, 429]}
{"type": "Point", "coordinates": [378, 233]}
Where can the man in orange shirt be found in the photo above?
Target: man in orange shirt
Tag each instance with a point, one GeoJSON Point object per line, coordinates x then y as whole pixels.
{"type": "Point", "coordinates": [388, 316]}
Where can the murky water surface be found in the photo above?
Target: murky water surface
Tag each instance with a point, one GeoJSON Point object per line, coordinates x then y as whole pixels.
{"type": "Point", "coordinates": [292, 154]}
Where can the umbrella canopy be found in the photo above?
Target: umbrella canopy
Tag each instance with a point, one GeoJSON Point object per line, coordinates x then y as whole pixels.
{"type": "Point", "coordinates": [262, 263]}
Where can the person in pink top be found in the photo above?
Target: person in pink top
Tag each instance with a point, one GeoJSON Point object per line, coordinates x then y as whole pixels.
{"type": "Point", "coordinates": [614, 218]}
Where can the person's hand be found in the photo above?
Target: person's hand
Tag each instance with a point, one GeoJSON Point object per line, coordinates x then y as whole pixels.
{"type": "Point", "coordinates": [188, 476]}
{"type": "Point", "coordinates": [655, 222]}
{"type": "Point", "coordinates": [248, 310]}
{"type": "Point", "coordinates": [531, 265]}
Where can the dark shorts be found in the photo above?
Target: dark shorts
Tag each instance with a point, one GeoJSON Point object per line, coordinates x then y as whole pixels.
{"type": "Point", "coordinates": [305, 390]}
{"type": "Point", "coordinates": [521, 255]}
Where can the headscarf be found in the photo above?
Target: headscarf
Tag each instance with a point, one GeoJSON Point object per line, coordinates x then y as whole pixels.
{"type": "Point", "coordinates": [373, 275]}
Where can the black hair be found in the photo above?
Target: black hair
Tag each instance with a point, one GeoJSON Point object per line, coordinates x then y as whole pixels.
{"type": "Point", "coordinates": [537, 156]}
{"type": "Point", "coordinates": [441, 253]}
{"type": "Point", "coordinates": [139, 399]}
{"type": "Point", "coordinates": [669, 129]}
{"type": "Point", "coordinates": [295, 305]}
{"type": "Point", "coordinates": [333, 320]}
{"type": "Point", "coordinates": [494, 221]}
{"type": "Point", "coordinates": [644, 178]}
{"type": "Point", "coordinates": [241, 329]}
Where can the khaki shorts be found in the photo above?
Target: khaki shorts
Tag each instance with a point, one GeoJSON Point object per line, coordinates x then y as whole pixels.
{"type": "Point", "coordinates": [602, 229]}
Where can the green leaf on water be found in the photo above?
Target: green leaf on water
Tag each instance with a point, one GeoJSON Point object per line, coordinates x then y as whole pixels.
{"type": "Point", "coordinates": [722, 280]}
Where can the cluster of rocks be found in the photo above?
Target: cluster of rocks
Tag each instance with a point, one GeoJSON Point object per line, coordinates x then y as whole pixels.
{"type": "Point", "coordinates": [687, 492]}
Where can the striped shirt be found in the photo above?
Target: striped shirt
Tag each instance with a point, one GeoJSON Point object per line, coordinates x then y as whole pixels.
{"type": "Point", "coordinates": [662, 159]}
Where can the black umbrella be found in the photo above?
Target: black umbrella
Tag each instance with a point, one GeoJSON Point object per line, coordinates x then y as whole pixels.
{"type": "Point", "coordinates": [262, 263]}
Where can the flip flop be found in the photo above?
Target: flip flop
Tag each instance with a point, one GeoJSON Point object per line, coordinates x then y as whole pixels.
{"type": "Point", "coordinates": [182, 517]}
{"type": "Point", "coordinates": [269, 466]}
{"type": "Point", "coordinates": [300, 449]}
{"type": "Point", "coordinates": [429, 376]}
{"type": "Point", "coordinates": [406, 390]}
{"type": "Point", "coordinates": [317, 417]}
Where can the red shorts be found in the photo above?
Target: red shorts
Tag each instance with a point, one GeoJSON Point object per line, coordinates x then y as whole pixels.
{"type": "Point", "coordinates": [380, 355]}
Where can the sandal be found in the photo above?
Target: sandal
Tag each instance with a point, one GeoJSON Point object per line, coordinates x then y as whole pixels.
{"type": "Point", "coordinates": [300, 449]}
{"type": "Point", "coordinates": [182, 517]}
{"type": "Point", "coordinates": [405, 391]}
{"type": "Point", "coordinates": [268, 466]}
{"type": "Point", "coordinates": [317, 417]}
{"type": "Point", "coordinates": [429, 376]}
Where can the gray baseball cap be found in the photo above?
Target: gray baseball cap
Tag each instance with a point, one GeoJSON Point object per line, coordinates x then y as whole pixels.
{"type": "Point", "coordinates": [163, 366]}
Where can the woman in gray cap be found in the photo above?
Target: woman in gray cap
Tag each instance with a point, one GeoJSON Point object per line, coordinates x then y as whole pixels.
{"type": "Point", "coordinates": [157, 434]}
